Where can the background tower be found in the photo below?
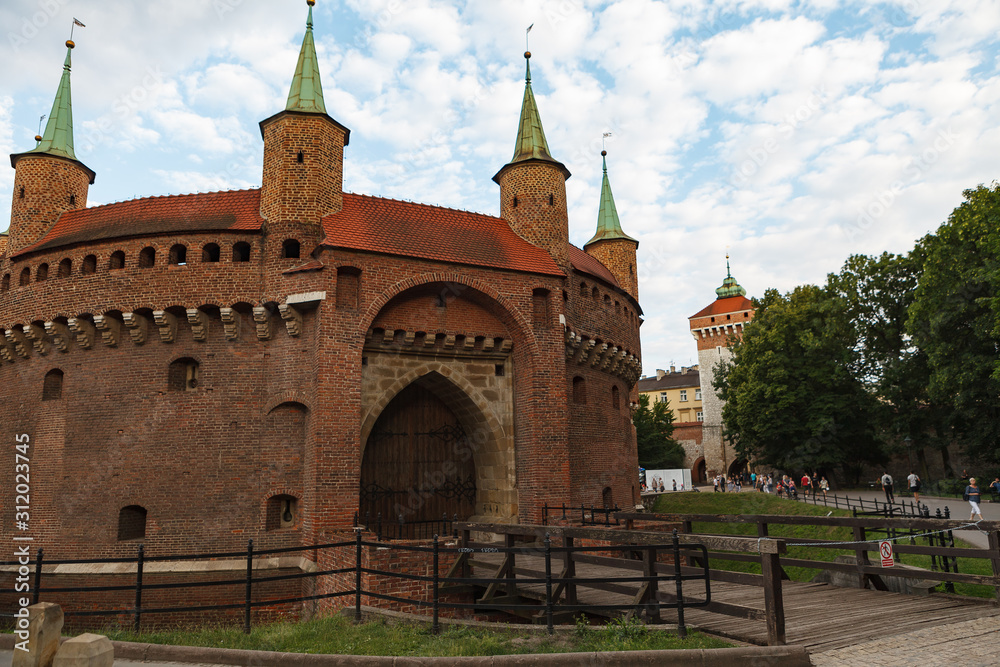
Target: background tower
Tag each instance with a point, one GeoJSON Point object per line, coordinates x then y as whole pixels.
{"type": "Point", "coordinates": [48, 180]}
{"type": "Point", "coordinates": [533, 184]}
{"type": "Point", "coordinates": [612, 246]}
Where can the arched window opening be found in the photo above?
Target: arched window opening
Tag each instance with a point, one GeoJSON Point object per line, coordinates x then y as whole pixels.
{"type": "Point", "coordinates": [241, 252]}
{"type": "Point", "coordinates": [117, 260]}
{"type": "Point", "coordinates": [615, 398]}
{"type": "Point", "coordinates": [52, 385]}
{"type": "Point", "coordinates": [552, 200]}
{"type": "Point", "coordinates": [147, 258]}
{"type": "Point", "coordinates": [515, 202]}
{"type": "Point", "coordinates": [282, 512]}
{"type": "Point", "coordinates": [583, 289]}
{"type": "Point", "coordinates": [290, 249]}
{"type": "Point", "coordinates": [178, 254]}
{"type": "Point", "coordinates": [579, 390]}
{"type": "Point", "coordinates": [540, 308]}
{"type": "Point", "coordinates": [183, 375]}
{"type": "Point", "coordinates": [131, 523]}
{"type": "Point", "coordinates": [25, 277]}
{"type": "Point", "coordinates": [348, 284]}
{"type": "Point", "coordinates": [608, 498]}
{"type": "Point", "coordinates": [20, 194]}
{"type": "Point", "coordinates": [211, 253]}
{"type": "Point", "coordinates": [72, 200]}
{"type": "Point", "coordinates": [65, 268]}
{"type": "Point", "coordinates": [42, 273]}
{"type": "Point", "coordinates": [5, 284]}
{"type": "Point", "coordinates": [89, 265]}
{"type": "Point", "coordinates": [595, 293]}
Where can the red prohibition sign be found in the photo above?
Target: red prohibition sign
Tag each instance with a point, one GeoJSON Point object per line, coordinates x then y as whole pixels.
{"type": "Point", "coordinates": [885, 548]}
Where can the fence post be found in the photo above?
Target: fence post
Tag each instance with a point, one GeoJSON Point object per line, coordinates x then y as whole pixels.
{"type": "Point", "coordinates": [357, 580]}
{"type": "Point", "coordinates": [38, 578]}
{"type": "Point", "coordinates": [436, 626]}
{"type": "Point", "coordinates": [548, 584]}
{"type": "Point", "coordinates": [994, 538]}
{"type": "Point", "coordinates": [681, 628]}
{"type": "Point", "coordinates": [774, 606]}
{"type": "Point", "coordinates": [137, 614]}
{"type": "Point", "coordinates": [249, 592]}
{"type": "Point", "coordinates": [545, 514]}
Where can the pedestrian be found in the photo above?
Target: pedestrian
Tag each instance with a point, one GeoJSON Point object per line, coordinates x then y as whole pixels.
{"type": "Point", "coordinates": [715, 486]}
{"type": "Point", "coordinates": [806, 485]}
{"type": "Point", "coordinates": [914, 482]}
{"type": "Point", "coordinates": [972, 495]}
{"type": "Point", "coordinates": [793, 493]}
{"type": "Point", "coordinates": [675, 485]}
{"type": "Point", "coordinates": [825, 486]}
{"type": "Point", "coordinates": [887, 487]}
{"type": "Point", "coordinates": [995, 489]}
{"type": "Point", "coordinates": [815, 482]}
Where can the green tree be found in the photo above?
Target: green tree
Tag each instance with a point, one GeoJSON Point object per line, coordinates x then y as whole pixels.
{"type": "Point", "coordinates": [792, 396]}
{"type": "Point", "coordinates": [654, 430]}
{"type": "Point", "coordinates": [955, 321]}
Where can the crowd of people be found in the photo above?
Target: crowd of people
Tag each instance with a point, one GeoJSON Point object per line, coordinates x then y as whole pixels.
{"type": "Point", "coordinates": [782, 486]}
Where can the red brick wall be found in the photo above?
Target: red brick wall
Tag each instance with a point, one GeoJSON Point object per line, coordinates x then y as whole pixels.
{"type": "Point", "coordinates": [48, 184]}
{"type": "Point", "coordinates": [535, 219]}
{"type": "Point", "coordinates": [619, 256]}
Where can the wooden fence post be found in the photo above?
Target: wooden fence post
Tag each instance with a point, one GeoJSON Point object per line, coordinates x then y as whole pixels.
{"type": "Point", "coordinates": [774, 607]}
{"type": "Point", "coordinates": [995, 548]}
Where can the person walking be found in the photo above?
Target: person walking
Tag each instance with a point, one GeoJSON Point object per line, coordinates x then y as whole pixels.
{"type": "Point", "coordinates": [973, 496]}
{"type": "Point", "coordinates": [914, 482]}
{"type": "Point", "coordinates": [887, 487]}
{"type": "Point", "coordinates": [806, 485]}
{"type": "Point", "coordinates": [824, 485]}
{"type": "Point", "coordinates": [995, 489]}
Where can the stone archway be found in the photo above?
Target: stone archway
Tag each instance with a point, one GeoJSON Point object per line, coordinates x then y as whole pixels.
{"type": "Point", "coordinates": [699, 473]}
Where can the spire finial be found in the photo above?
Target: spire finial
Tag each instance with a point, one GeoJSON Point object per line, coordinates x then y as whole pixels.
{"type": "Point", "coordinates": [609, 227]}
{"type": "Point", "coordinates": [58, 136]}
{"type": "Point", "coordinates": [306, 93]}
{"type": "Point", "coordinates": [729, 274]}
{"type": "Point", "coordinates": [729, 287]}
{"type": "Point", "coordinates": [309, 21]}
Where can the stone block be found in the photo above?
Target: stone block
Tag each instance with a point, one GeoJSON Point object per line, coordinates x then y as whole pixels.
{"type": "Point", "coordinates": [45, 622]}
{"type": "Point", "coordinates": [87, 650]}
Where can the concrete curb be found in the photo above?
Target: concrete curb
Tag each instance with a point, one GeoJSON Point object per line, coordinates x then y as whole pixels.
{"type": "Point", "coordinates": [756, 656]}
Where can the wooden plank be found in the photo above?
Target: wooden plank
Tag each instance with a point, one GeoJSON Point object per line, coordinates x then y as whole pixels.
{"type": "Point", "coordinates": [805, 520]}
{"type": "Point", "coordinates": [770, 565]}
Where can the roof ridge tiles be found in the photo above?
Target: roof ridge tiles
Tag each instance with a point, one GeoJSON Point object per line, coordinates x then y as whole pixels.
{"type": "Point", "coordinates": [167, 196]}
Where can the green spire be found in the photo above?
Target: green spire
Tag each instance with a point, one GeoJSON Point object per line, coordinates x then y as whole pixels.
{"type": "Point", "coordinates": [307, 89]}
{"type": "Point", "coordinates": [58, 137]}
{"type": "Point", "coordinates": [531, 143]}
{"type": "Point", "coordinates": [608, 225]}
{"type": "Point", "coordinates": [729, 287]}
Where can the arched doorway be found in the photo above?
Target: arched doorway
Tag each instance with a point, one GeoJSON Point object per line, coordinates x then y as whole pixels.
{"type": "Point", "coordinates": [417, 463]}
{"type": "Point", "coordinates": [738, 466]}
{"type": "Point", "coordinates": [698, 472]}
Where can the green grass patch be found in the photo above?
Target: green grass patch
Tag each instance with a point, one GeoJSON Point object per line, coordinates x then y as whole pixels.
{"type": "Point", "coordinates": [763, 503]}
{"type": "Point", "coordinates": [339, 635]}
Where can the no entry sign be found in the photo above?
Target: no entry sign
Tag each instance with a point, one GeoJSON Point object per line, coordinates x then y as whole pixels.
{"type": "Point", "coordinates": [885, 551]}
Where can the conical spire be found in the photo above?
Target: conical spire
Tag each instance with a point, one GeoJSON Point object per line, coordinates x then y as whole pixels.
{"type": "Point", "coordinates": [531, 143]}
{"type": "Point", "coordinates": [58, 137]}
{"type": "Point", "coordinates": [608, 225]}
{"type": "Point", "coordinates": [729, 287]}
{"type": "Point", "coordinates": [306, 93]}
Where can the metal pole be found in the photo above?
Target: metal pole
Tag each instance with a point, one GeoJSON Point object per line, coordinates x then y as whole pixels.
{"type": "Point", "coordinates": [357, 580]}
{"type": "Point", "coordinates": [137, 614]}
{"type": "Point", "coordinates": [246, 602]}
{"type": "Point", "coordinates": [38, 578]}
{"type": "Point", "coordinates": [548, 583]}
{"type": "Point", "coordinates": [681, 628]}
{"type": "Point", "coordinates": [436, 627]}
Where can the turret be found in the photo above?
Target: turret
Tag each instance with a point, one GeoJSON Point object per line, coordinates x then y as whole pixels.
{"type": "Point", "coordinates": [303, 155]}
{"type": "Point", "coordinates": [613, 247]}
{"type": "Point", "coordinates": [533, 184]}
{"type": "Point", "coordinates": [48, 180]}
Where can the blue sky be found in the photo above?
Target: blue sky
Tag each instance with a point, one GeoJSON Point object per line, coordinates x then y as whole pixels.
{"type": "Point", "coordinates": [792, 134]}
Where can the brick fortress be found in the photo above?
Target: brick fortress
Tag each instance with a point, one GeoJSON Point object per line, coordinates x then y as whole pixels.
{"type": "Point", "coordinates": [198, 370]}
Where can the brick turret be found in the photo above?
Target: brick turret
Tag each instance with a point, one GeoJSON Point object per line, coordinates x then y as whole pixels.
{"type": "Point", "coordinates": [49, 179]}
{"type": "Point", "coordinates": [533, 185]}
{"type": "Point", "coordinates": [613, 247]}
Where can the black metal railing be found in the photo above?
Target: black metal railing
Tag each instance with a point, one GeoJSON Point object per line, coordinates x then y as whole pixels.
{"type": "Point", "coordinates": [582, 515]}
{"type": "Point", "coordinates": [405, 529]}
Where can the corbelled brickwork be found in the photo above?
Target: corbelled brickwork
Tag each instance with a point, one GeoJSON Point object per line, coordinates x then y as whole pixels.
{"type": "Point", "coordinates": [45, 187]}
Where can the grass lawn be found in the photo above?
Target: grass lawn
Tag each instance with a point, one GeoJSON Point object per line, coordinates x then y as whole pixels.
{"type": "Point", "coordinates": [339, 635]}
{"type": "Point", "coordinates": [763, 503]}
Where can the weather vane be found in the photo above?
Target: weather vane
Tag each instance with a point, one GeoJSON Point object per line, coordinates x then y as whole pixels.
{"type": "Point", "coordinates": [76, 22]}
{"type": "Point", "coordinates": [604, 141]}
{"type": "Point", "coordinates": [526, 32]}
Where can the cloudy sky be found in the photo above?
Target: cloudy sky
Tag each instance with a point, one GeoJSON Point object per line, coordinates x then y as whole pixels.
{"type": "Point", "coordinates": [792, 133]}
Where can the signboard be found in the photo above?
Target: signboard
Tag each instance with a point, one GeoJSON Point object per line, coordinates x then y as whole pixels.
{"type": "Point", "coordinates": [885, 551]}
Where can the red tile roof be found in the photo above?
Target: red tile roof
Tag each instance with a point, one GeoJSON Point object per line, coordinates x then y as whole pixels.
{"type": "Point", "coordinates": [395, 227]}
{"type": "Point", "coordinates": [589, 264]}
{"type": "Point", "coordinates": [731, 304]}
{"type": "Point", "coordinates": [209, 211]}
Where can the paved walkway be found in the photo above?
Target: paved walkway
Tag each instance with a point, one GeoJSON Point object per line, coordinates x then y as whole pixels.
{"type": "Point", "coordinates": [973, 643]}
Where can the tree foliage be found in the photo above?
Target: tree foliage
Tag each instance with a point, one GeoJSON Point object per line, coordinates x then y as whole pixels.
{"type": "Point", "coordinates": [654, 429]}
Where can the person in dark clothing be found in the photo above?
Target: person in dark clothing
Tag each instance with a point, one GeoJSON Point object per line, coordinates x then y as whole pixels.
{"type": "Point", "coordinates": [887, 487]}
{"type": "Point", "coordinates": [973, 496]}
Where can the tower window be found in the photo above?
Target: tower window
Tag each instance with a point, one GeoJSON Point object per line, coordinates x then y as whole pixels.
{"type": "Point", "coordinates": [131, 523]}
{"type": "Point", "coordinates": [552, 200]}
{"type": "Point", "coordinates": [282, 512]}
{"type": "Point", "coordinates": [52, 385]}
{"type": "Point", "coordinates": [72, 200]}
{"type": "Point", "coordinates": [42, 273]}
{"type": "Point", "coordinates": [301, 157]}
{"type": "Point", "coordinates": [210, 253]}
{"type": "Point", "coordinates": [117, 260]}
{"type": "Point", "coordinates": [241, 252]}
{"type": "Point", "coordinates": [65, 268]}
{"type": "Point", "coordinates": [607, 497]}
{"type": "Point", "coordinates": [183, 375]}
{"type": "Point", "coordinates": [147, 258]}
{"type": "Point", "coordinates": [5, 283]}
{"type": "Point", "coordinates": [25, 277]}
{"type": "Point", "coordinates": [89, 265]}
{"type": "Point", "coordinates": [579, 390]}
{"type": "Point", "coordinates": [290, 249]}
{"type": "Point", "coordinates": [178, 255]}
{"type": "Point", "coordinates": [498, 370]}
{"type": "Point", "coordinates": [595, 293]}
{"type": "Point", "coordinates": [20, 193]}
{"type": "Point", "coordinates": [515, 202]}
{"type": "Point", "coordinates": [615, 397]}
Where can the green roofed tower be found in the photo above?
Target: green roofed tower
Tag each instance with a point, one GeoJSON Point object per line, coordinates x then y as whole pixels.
{"type": "Point", "coordinates": [730, 287]}
{"type": "Point", "coordinates": [610, 244]}
{"type": "Point", "coordinates": [306, 93]}
{"type": "Point", "coordinates": [49, 179]}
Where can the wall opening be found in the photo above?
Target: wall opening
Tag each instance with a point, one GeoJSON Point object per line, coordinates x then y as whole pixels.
{"type": "Point", "coordinates": [241, 252]}
{"type": "Point", "coordinates": [290, 249]}
{"type": "Point", "coordinates": [183, 375]}
{"type": "Point", "coordinates": [282, 512]}
{"type": "Point", "coordinates": [178, 254]}
{"type": "Point", "coordinates": [25, 277]}
{"type": "Point", "coordinates": [608, 498]}
{"type": "Point", "coordinates": [540, 308]}
{"type": "Point", "coordinates": [301, 157]}
{"type": "Point", "coordinates": [117, 260]}
{"type": "Point", "coordinates": [579, 390]}
{"type": "Point", "coordinates": [65, 268]}
{"type": "Point", "coordinates": [348, 284]}
{"type": "Point", "coordinates": [42, 273]}
{"type": "Point", "coordinates": [89, 265]}
{"type": "Point", "coordinates": [615, 398]}
{"type": "Point", "coordinates": [52, 385]}
{"type": "Point", "coordinates": [211, 253]}
{"type": "Point", "coordinates": [147, 258]}
{"type": "Point", "coordinates": [131, 523]}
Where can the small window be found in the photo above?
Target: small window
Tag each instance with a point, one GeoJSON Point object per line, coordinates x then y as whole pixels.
{"type": "Point", "coordinates": [42, 273]}
{"type": "Point", "coordinates": [52, 385]}
{"type": "Point", "coordinates": [608, 498]}
{"type": "Point", "coordinates": [583, 289]}
{"type": "Point", "coordinates": [618, 308]}
{"type": "Point", "coordinates": [25, 277]}
{"type": "Point", "coordinates": [684, 395]}
{"type": "Point", "coordinates": [66, 268]}
{"type": "Point", "coordinates": [178, 255]}
{"type": "Point", "coordinates": [700, 416]}
{"type": "Point", "coordinates": [515, 202]}
{"type": "Point", "coordinates": [117, 260]}
{"type": "Point", "coordinates": [131, 523]}
{"type": "Point", "coordinates": [595, 293]}
{"type": "Point", "coordinates": [5, 284]}
{"type": "Point", "coordinates": [183, 375]}
{"type": "Point", "coordinates": [211, 253]}
{"type": "Point", "coordinates": [663, 397]}
{"type": "Point", "coordinates": [290, 249]}
{"type": "Point", "coordinates": [697, 394]}
{"type": "Point", "coordinates": [301, 157]}
{"type": "Point", "coordinates": [552, 200]}
{"type": "Point", "coordinates": [498, 370]}
{"type": "Point", "coordinates": [72, 200]}
{"type": "Point", "coordinates": [348, 284]}
{"type": "Point", "coordinates": [20, 194]}
{"type": "Point", "coordinates": [241, 252]}
{"type": "Point", "coordinates": [615, 398]}
{"type": "Point", "coordinates": [579, 390]}
{"type": "Point", "coordinates": [147, 258]}
{"type": "Point", "coordinates": [282, 512]}
{"type": "Point", "coordinates": [89, 265]}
